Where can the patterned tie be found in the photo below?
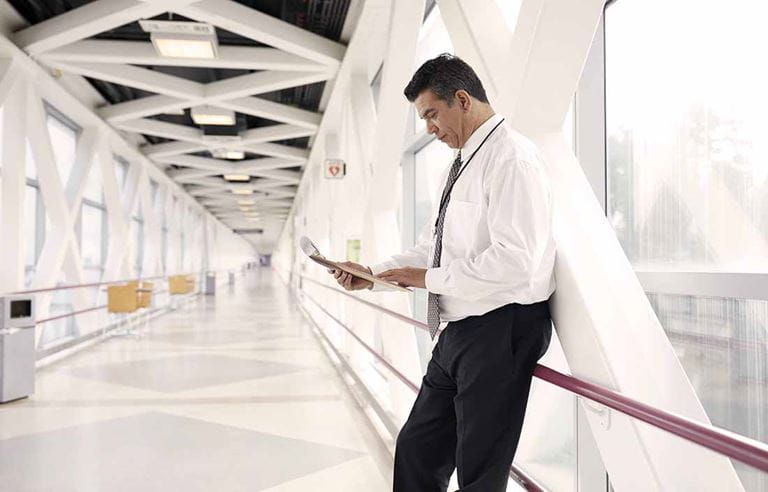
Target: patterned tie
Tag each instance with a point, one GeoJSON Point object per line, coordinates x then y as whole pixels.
{"type": "Point", "coordinates": [433, 312]}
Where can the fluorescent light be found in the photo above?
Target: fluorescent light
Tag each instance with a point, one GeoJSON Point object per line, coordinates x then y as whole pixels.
{"type": "Point", "coordinates": [237, 177]}
{"type": "Point", "coordinates": [209, 115]}
{"type": "Point", "coordinates": [228, 154]}
{"type": "Point", "coordinates": [246, 202]}
{"type": "Point", "coordinates": [182, 39]}
{"type": "Point", "coordinates": [242, 191]}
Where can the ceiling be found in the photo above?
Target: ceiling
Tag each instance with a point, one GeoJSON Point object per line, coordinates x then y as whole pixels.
{"type": "Point", "coordinates": [274, 59]}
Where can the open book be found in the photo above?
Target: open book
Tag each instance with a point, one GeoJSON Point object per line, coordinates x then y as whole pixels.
{"type": "Point", "coordinates": [309, 248]}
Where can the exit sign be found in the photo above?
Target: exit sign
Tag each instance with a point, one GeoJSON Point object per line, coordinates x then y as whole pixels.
{"type": "Point", "coordinates": [335, 168]}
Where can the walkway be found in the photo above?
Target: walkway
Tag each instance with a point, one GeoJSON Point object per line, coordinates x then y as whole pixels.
{"type": "Point", "coordinates": [232, 393]}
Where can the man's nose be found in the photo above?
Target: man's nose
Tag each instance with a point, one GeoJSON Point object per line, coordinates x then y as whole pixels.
{"type": "Point", "coordinates": [431, 129]}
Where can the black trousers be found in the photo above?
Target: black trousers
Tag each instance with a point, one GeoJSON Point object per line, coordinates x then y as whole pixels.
{"type": "Point", "coordinates": [469, 412]}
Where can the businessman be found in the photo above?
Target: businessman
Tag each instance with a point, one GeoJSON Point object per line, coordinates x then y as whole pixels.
{"type": "Point", "coordinates": [487, 261]}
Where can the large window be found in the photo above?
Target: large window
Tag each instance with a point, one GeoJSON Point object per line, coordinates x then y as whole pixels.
{"type": "Point", "coordinates": [687, 185]}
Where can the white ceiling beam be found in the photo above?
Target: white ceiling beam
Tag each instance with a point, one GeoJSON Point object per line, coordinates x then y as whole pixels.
{"type": "Point", "coordinates": [140, 108]}
{"type": "Point", "coordinates": [163, 151]}
{"type": "Point", "coordinates": [259, 83]}
{"type": "Point", "coordinates": [186, 175]}
{"type": "Point", "coordinates": [266, 164]}
{"type": "Point", "coordinates": [278, 150]}
{"type": "Point", "coordinates": [162, 129]}
{"type": "Point", "coordinates": [271, 133]}
{"type": "Point", "coordinates": [266, 29]}
{"type": "Point", "coordinates": [270, 110]}
{"type": "Point", "coordinates": [198, 162]}
{"type": "Point", "coordinates": [83, 22]}
{"type": "Point", "coordinates": [144, 53]}
{"type": "Point", "coordinates": [137, 77]}
{"type": "Point", "coordinates": [243, 85]}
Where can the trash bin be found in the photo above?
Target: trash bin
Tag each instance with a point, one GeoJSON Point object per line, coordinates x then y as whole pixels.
{"type": "Point", "coordinates": [210, 283]}
{"type": "Point", "coordinates": [17, 347]}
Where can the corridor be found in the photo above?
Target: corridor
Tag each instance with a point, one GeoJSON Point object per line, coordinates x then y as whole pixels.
{"type": "Point", "coordinates": [232, 392]}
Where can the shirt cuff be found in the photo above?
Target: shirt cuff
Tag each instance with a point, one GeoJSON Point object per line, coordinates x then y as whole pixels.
{"type": "Point", "coordinates": [435, 279]}
{"type": "Point", "coordinates": [377, 269]}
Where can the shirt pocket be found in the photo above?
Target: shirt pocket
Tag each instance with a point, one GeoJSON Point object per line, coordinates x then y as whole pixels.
{"type": "Point", "coordinates": [461, 222]}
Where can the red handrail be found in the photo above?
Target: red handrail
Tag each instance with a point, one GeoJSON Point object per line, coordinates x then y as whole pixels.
{"type": "Point", "coordinates": [734, 446]}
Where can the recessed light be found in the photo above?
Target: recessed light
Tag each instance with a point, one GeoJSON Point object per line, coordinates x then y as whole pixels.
{"type": "Point", "coordinates": [237, 177]}
{"type": "Point", "coordinates": [182, 39]}
{"type": "Point", "coordinates": [210, 115]}
{"type": "Point", "coordinates": [242, 191]}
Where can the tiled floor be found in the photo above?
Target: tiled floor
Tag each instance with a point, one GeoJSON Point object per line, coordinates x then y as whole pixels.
{"type": "Point", "coordinates": [231, 393]}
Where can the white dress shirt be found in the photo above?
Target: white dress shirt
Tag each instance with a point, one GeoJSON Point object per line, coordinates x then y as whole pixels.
{"type": "Point", "coordinates": [497, 237]}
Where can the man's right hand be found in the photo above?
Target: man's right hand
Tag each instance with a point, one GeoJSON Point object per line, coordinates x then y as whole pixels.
{"type": "Point", "coordinates": [349, 281]}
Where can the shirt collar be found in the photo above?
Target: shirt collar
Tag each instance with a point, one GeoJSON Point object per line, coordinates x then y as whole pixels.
{"type": "Point", "coordinates": [474, 140]}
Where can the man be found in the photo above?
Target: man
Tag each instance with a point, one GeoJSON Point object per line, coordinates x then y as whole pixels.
{"type": "Point", "coordinates": [487, 261]}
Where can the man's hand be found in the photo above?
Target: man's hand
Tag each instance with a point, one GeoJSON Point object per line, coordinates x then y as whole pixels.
{"type": "Point", "coordinates": [349, 281]}
{"type": "Point", "coordinates": [406, 277]}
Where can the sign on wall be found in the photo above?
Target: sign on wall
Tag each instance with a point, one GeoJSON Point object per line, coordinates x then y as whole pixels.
{"type": "Point", "coordinates": [335, 168]}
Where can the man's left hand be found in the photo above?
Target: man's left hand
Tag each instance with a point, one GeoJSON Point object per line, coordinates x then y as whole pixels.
{"type": "Point", "coordinates": [406, 277]}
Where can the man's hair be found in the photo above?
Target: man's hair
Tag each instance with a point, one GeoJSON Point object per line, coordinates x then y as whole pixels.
{"type": "Point", "coordinates": [444, 75]}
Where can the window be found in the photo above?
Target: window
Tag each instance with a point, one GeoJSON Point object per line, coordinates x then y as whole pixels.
{"type": "Point", "coordinates": [433, 40]}
{"type": "Point", "coordinates": [91, 228]}
{"type": "Point", "coordinates": [137, 238]}
{"type": "Point", "coordinates": [687, 186]}
{"type": "Point", "coordinates": [121, 171]}
{"type": "Point", "coordinates": [64, 142]}
{"type": "Point", "coordinates": [509, 10]}
{"type": "Point", "coordinates": [688, 160]}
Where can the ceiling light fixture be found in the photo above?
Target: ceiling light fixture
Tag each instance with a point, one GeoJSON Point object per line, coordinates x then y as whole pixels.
{"type": "Point", "coordinates": [242, 191]}
{"type": "Point", "coordinates": [182, 39]}
{"type": "Point", "coordinates": [210, 115]}
{"type": "Point", "coordinates": [237, 177]}
{"type": "Point", "coordinates": [228, 154]}
{"type": "Point", "coordinates": [246, 202]}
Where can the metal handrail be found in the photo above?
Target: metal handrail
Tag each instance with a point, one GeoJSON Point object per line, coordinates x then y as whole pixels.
{"type": "Point", "coordinates": [743, 449]}
{"type": "Point", "coordinates": [94, 284]}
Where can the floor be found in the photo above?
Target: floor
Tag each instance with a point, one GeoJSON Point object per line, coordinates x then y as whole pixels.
{"type": "Point", "coordinates": [230, 393]}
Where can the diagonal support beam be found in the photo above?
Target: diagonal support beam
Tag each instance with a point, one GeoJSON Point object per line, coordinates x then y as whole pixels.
{"type": "Point", "coordinates": [243, 85]}
{"type": "Point", "coordinates": [266, 29]}
{"type": "Point", "coordinates": [137, 77]}
{"type": "Point", "coordinates": [144, 53]}
{"type": "Point", "coordinates": [283, 113]}
{"type": "Point", "coordinates": [88, 20]}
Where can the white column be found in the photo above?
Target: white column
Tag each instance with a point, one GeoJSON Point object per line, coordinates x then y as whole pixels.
{"type": "Point", "coordinates": [13, 162]}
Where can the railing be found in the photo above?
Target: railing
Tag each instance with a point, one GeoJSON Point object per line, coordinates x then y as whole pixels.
{"type": "Point", "coordinates": [745, 450]}
{"type": "Point", "coordinates": [42, 353]}
{"type": "Point", "coordinates": [92, 284]}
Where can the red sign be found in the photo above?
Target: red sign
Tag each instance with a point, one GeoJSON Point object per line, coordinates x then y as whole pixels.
{"type": "Point", "coordinates": [335, 168]}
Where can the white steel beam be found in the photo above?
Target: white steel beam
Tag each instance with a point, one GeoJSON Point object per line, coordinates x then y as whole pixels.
{"type": "Point", "coordinates": [273, 111]}
{"type": "Point", "coordinates": [82, 22]}
{"type": "Point", "coordinates": [144, 53]}
{"type": "Point", "coordinates": [162, 129]}
{"type": "Point", "coordinates": [266, 29]}
{"type": "Point", "coordinates": [260, 83]}
{"type": "Point", "coordinates": [137, 77]}
{"type": "Point", "coordinates": [12, 188]}
{"type": "Point", "coordinates": [243, 85]}
{"type": "Point", "coordinates": [609, 331]}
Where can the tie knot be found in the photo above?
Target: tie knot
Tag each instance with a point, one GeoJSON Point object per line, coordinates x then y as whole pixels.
{"type": "Point", "coordinates": [458, 156]}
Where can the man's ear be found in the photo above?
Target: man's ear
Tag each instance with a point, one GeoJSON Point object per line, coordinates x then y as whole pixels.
{"type": "Point", "coordinates": [464, 99]}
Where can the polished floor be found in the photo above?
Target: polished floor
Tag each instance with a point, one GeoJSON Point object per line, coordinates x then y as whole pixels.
{"type": "Point", "coordinates": [231, 393]}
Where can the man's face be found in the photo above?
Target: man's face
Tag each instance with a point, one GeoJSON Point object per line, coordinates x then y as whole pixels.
{"type": "Point", "coordinates": [444, 121]}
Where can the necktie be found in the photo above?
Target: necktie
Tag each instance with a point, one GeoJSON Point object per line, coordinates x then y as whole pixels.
{"type": "Point", "coordinates": [433, 312]}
